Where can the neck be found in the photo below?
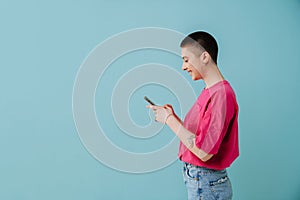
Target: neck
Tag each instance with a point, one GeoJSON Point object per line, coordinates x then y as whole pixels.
{"type": "Point", "coordinates": [212, 76]}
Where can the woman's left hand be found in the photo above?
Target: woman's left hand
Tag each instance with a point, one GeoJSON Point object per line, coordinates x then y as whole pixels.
{"type": "Point", "coordinates": [162, 112]}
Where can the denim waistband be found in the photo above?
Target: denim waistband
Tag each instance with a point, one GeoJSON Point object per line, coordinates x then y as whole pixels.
{"type": "Point", "coordinates": [203, 169]}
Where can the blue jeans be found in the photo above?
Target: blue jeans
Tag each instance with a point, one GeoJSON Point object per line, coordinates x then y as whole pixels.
{"type": "Point", "coordinates": [206, 184]}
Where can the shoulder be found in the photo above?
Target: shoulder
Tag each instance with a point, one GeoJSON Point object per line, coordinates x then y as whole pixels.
{"type": "Point", "coordinates": [223, 91]}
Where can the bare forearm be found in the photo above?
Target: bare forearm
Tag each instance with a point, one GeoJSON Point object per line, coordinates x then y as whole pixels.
{"type": "Point", "coordinates": [186, 137]}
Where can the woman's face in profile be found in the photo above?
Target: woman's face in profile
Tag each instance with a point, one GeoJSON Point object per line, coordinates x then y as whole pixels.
{"type": "Point", "coordinates": [191, 63]}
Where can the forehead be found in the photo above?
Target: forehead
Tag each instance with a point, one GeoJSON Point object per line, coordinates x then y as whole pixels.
{"type": "Point", "coordinates": [191, 51]}
{"type": "Point", "coordinates": [187, 51]}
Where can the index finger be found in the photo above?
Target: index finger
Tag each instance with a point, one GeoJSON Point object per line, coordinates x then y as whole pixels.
{"type": "Point", "coordinates": [153, 107]}
{"type": "Point", "coordinates": [150, 106]}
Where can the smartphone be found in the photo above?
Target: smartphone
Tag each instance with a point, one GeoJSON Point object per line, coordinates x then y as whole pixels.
{"type": "Point", "coordinates": [149, 101]}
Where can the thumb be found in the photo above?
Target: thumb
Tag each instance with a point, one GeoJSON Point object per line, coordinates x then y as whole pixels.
{"type": "Point", "coordinates": [168, 106]}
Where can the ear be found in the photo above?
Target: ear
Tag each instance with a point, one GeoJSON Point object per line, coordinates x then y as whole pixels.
{"type": "Point", "coordinates": [205, 57]}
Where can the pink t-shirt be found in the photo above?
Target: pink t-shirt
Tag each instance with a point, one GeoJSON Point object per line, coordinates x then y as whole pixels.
{"type": "Point", "coordinates": [214, 120]}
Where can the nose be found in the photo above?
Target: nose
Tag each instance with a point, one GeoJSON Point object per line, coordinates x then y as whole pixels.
{"type": "Point", "coordinates": [184, 67]}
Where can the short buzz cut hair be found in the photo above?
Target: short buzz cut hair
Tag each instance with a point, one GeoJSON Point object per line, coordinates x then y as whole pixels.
{"type": "Point", "coordinates": [206, 41]}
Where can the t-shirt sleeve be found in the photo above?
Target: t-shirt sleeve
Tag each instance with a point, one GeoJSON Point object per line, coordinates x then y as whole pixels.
{"type": "Point", "coordinates": [213, 125]}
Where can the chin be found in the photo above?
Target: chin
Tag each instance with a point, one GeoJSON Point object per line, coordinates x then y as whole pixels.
{"type": "Point", "coordinates": [195, 78]}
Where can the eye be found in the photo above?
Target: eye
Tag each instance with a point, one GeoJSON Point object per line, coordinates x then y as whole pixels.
{"type": "Point", "coordinates": [186, 61]}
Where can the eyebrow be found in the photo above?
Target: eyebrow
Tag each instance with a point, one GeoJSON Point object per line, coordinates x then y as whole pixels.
{"type": "Point", "coordinates": [183, 57]}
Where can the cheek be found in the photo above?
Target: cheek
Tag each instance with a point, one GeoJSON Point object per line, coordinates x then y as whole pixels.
{"type": "Point", "coordinates": [192, 65]}
{"type": "Point", "coordinates": [194, 69]}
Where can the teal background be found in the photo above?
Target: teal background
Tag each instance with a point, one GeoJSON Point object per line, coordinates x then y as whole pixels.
{"type": "Point", "coordinates": [43, 44]}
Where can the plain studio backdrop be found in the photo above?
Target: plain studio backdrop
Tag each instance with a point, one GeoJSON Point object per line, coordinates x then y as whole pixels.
{"type": "Point", "coordinates": [43, 44]}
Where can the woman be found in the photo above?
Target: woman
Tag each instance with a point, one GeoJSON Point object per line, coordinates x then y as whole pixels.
{"type": "Point", "coordinates": [209, 134]}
